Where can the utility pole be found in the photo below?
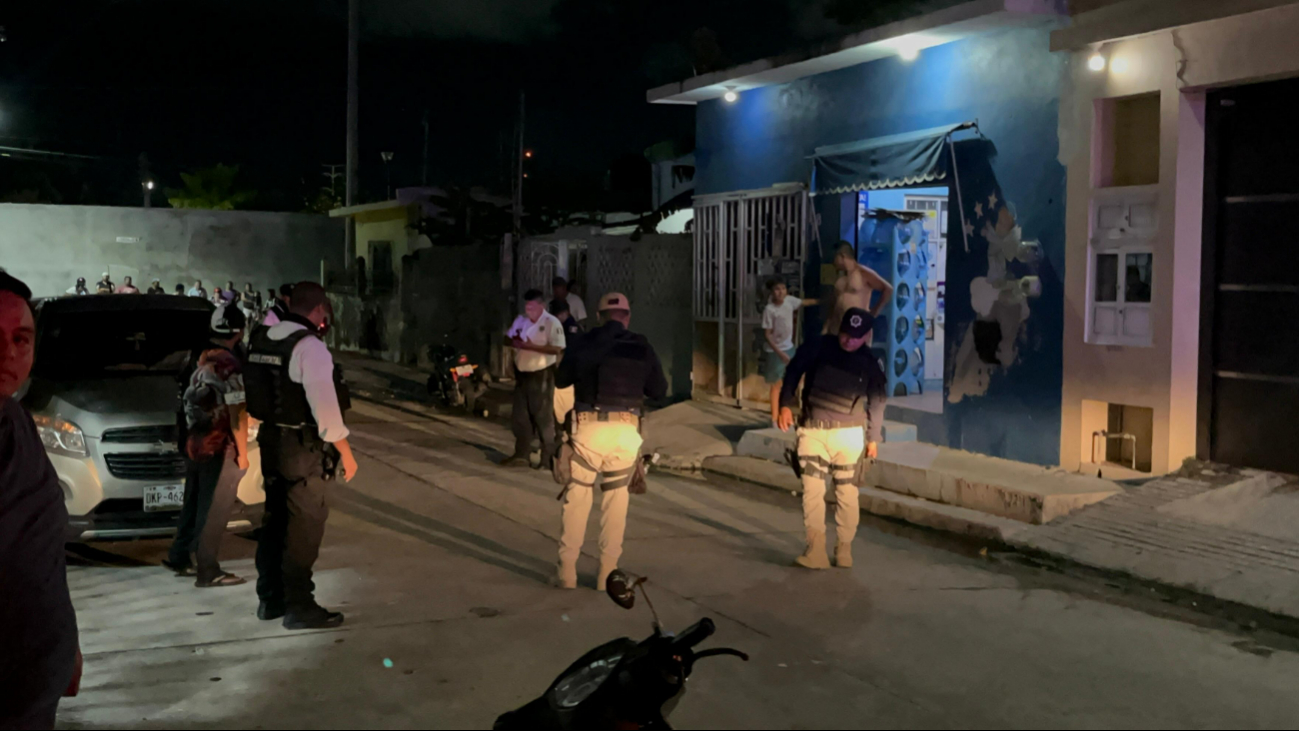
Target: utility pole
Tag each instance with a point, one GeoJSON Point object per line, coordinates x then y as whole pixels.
{"type": "Point", "coordinates": [423, 172]}
{"type": "Point", "coordinates": [518, 177]}
{"type": "Point", "coordinates": [353, 105]}
{"type": "Point", "coordinates": [332, 174]}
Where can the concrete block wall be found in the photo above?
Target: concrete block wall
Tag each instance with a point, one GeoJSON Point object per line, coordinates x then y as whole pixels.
{"type": "Point", "coordinates": [49, 246]}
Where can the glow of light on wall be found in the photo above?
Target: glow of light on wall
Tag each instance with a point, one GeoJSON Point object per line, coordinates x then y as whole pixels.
{"type": "Point", "coordinates": [909, 47]}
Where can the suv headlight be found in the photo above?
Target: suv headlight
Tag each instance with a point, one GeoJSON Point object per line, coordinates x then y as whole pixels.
{"type": "Point", "coordinates": [60, 437]}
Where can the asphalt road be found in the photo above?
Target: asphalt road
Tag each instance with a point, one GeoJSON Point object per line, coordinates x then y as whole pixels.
{"type": "Point", "coordinates": [440, 560]}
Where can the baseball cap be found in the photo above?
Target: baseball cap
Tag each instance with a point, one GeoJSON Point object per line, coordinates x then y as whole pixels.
{"type": "Point", "coordinates": [614, 301]}
{"type": "Point", "coordinates": [227, 320]}
{"type": "Point", "coordinates": [856, 323]}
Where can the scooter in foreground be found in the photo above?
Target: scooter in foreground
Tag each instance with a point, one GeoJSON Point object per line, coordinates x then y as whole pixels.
{"type": "Point", "coordinates": [622, 684]}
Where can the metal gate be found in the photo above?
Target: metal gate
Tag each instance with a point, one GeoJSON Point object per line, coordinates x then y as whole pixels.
{"type": "Point", "coordinates": [1252, 311]}
{"type": "Point", "coordinates": [741, 238]}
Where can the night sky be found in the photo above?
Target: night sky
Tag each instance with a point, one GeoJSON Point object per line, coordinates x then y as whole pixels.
{"type": "Point", "coordinates": [261, 84]}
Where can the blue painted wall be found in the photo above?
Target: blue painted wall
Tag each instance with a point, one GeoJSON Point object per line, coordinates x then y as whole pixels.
{"type": "Point", "coordinates": [1010, 83]}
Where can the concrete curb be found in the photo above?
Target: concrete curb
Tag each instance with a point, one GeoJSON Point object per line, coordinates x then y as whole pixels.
{"type": "Point", "coordinates": [886, 504]}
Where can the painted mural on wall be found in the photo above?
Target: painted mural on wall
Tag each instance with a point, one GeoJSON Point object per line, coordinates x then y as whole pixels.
{"type": "Point", "coordinates": [1001, 296]}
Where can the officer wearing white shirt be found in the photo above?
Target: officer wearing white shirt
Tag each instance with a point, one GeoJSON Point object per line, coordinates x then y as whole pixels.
{"type": "Point", "coordinates": [538, 339]}
{"type": "Point", "coordinates": [293, 388]}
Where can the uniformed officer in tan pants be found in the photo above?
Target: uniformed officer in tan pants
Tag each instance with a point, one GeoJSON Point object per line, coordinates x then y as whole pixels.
{"type": "Point", "coordinates": [612, 371]}
{"type": "Point", "coordinates": [842, 419]}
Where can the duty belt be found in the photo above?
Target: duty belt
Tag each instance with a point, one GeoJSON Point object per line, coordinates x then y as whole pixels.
{"type": "Point", "coordinates": [827, 424]}
{"type": "Point", "coordinates": [618, 417]}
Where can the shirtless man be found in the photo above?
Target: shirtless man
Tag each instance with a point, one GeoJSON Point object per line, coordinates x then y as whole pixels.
{"type": "Point", "coordinates": [854, 289]}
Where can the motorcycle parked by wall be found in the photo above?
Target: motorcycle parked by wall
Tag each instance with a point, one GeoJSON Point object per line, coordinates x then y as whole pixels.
{"type": "Point", "coordinates": [621, 684]}
{"type": "Point", "coordinates": [456, 381]}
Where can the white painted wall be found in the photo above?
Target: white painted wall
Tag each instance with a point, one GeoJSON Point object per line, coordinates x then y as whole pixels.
{"type": "Point", "coordinates": [1180, 64]}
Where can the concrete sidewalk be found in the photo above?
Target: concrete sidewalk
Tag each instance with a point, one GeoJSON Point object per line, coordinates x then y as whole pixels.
{"type": "Point", "coordinates": [688, 435]}
{"type": "Point", "coordinates": [1170, 531]}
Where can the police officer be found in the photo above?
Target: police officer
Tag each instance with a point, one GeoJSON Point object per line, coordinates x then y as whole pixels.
{"type": "Point", "coordinates": [612, 371]}
{"type": "Point", "coordinates": [842, 418]}
{"type": "Point", "coordinates": [294, 389]}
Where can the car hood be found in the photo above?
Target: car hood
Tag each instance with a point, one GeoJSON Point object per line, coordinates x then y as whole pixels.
{"type": "Point", "coordinates": [101, 403]}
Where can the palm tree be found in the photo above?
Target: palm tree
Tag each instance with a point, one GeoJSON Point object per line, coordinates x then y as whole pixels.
{"type": "Point", "coordinates": [211, 188]}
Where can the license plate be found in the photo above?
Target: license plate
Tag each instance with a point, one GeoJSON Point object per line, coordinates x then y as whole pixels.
{"type": "Point", "coordinates": [163, 497]}
{"type": "Point", "coordinates": [467, 370]}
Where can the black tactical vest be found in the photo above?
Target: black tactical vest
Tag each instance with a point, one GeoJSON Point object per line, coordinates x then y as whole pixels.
{"type": "Point", "coordinates": [620, 377]}
{"type": "Point", "coordinates": [838, 395]}
{"type": "Point", "coordinates": [273, 397]}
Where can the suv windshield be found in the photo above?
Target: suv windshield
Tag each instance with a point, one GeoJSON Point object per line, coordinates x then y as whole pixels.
{"type": "Point", "coordinates": [100, 343]}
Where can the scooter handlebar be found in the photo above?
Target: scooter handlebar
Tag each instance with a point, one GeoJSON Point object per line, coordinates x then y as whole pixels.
{"type": "Point", "coordinates": [702, 630]}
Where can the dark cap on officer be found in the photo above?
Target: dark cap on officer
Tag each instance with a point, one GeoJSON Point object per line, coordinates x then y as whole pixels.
{"type": "Point", "coordinates": [856, 323]}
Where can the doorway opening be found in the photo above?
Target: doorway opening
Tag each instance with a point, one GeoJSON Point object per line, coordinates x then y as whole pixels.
{"type": "Point", "coordinates": [902, 235]}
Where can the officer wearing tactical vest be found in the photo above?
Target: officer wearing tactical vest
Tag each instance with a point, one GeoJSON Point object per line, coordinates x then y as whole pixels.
{"type": "Point", "coordinates": [612, 371]}
{"type": "Point", "coordinates": [842, 418]}
{"type": "Point", "coordinates": [294, 389]}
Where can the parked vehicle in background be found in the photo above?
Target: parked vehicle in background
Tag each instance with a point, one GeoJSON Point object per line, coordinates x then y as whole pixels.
{"type": "Point", "coordinates": [105, 398]}
{"type": "Point", "coordinates": [456, 381]}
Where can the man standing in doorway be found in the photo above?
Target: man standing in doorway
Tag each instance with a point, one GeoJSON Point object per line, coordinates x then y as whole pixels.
{"type": "Point", "coordinates": [778, 325]}
{"type": "Point", "coordinates": [538, 339]}
{"type": "Point", "coordinates": [560, 289]}
{"type": "Point", "coordinates": [856, 284]}
{"type": "Point", "coordinates": [842, 418]}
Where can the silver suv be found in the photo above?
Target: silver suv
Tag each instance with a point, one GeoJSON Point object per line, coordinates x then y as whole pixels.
{"type": "Point", "coordinates": [105, 398]}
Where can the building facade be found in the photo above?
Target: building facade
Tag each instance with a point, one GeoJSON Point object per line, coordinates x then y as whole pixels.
{"type": "Point", "coordinates": [1107, 211]}
{"type": "Point", "coordinates": [1181, 283]}
{"type": "Point", "coordinates": [958, 113]}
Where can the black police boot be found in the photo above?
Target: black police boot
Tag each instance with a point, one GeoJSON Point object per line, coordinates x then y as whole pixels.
{"type": "Point", "coordinates": [314, 617]}
{"type": "Point", "coordinates": [267, 611]}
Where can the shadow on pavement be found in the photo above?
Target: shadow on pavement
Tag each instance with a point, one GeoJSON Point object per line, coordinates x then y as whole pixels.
{"type": "Point", "coordinates": [440, 534]}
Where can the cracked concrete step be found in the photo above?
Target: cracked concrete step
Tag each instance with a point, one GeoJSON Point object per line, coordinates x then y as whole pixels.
{"type": "Point", "coordinates": [771, 443]}
{"type": "Point", "coordinates": [1000, 487]}
{"type": "Point", "coordinates": [877, 502]}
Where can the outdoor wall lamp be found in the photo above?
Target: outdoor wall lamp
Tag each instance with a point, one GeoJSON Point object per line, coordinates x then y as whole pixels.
{"type": "Point", "coordinates": [730, 96]}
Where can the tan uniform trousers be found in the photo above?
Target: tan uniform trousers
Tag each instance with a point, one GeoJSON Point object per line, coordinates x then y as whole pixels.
{"type": "Point", "coordinates": [564, 398]}
{"type": "Point", "coordinates": [831, 455]}
{"type": "Point", "coordinates": [610, 447]}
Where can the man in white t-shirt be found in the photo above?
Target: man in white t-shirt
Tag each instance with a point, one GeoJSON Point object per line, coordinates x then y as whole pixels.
{"type": "Point", "coordinates": [778, 323]}
{"type": "Point", "coordinates": [538, 339]}
{"type": "Point", "coordinates": [576, 307]}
